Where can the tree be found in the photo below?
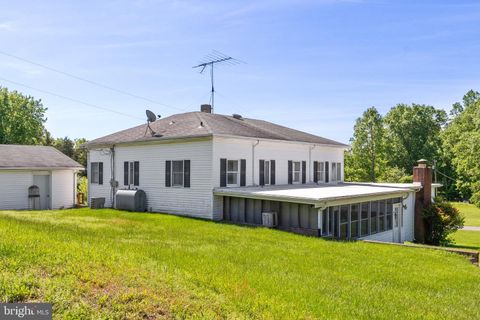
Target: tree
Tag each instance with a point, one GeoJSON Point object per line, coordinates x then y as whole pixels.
{"type": "Point", "coordinates": [461, 143]}
{"type": "Point", "coordinates": [364, 161]}
{"type": "Point", "coordinates": [22, 118]}
{"type": "Point", "coordinates": [72, 148]}
{"type": "Point", "coordinates": [413, 133]}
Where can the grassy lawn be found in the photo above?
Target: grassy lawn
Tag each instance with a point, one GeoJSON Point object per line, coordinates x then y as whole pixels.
{"type": "Point", "coordinates": [114, 265]}
{"type": "Point", "coordinates": [470, 212]}
{"type": "Point", "coordinates": [467, 239]}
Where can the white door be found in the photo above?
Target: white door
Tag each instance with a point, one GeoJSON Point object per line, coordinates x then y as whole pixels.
{"type": "Point", "coordinates": [397, 222]}
{"type": "Point", "coordinates": [43, 184]}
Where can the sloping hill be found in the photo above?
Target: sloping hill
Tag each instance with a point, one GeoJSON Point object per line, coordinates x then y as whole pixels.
{"type": "Point", "coordinates": [112, 264]}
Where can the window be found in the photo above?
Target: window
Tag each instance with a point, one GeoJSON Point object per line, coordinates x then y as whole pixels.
{"type": "Point", "coordinates": [96, 172]}
{"type": "Point", "coordinates": [325, 223]}
{"type": "Point", "coordinates": [232, 173]}
{"type": "Point", "coordinates": [297, 171]}
{"type": "Point", "coordinates": [359, 219]}
{"type": "Point", "coordinates": [373, 217]}
{"type": "Point", "coordinates": [354, 218]}
{"type": "Point", "coordinates": [344, 230]}
{"type": "Point", "coordinates": [177, 173]}
{"type": "Point", "coordinates": [131, 173]}
{"type": "Point", "coordinates": [364, 219]}
{"type": "Point", "coordinates": [266, 172]}
{"type": "Point", "coordinates": [389, 211]}
{"type": "Point", "coordinates": [335, 214]}
{"type": "Point", "coordinates": [381, 216]}
{"type": "Point", "coordinates": [319, 171]}
{"type": "Point", "coordinates": [336, 172]}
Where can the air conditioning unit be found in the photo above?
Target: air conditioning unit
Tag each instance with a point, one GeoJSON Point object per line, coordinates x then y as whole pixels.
{"type": "Point", "coordinates": [97, 203]}
{"type": "Point", "coordinates": [269, 219]}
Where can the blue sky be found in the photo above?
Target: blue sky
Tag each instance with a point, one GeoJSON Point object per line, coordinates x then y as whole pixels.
{"type": "Point", "coordinates": [311, 65]}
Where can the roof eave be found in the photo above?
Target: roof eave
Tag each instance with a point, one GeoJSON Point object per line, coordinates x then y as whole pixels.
{"type": "Point", "coordinates": [42, 168]}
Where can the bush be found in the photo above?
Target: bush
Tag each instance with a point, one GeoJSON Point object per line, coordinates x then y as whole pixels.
{"type": "Point", "coordinates": [441, 219]}
{"type": "Point", "coordinates": [82, 185]}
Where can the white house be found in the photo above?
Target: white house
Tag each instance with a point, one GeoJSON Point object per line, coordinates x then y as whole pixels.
{"type": "Point", "coordinates": [232, 168]}
{"type": "Point", "coordinates": [36, 177]}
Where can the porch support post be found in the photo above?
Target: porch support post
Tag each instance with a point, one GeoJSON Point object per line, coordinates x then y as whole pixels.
{"type": "Point", "coordinates": [320, 222]}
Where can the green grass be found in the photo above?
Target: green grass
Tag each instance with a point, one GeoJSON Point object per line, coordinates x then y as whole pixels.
{"type": "Point", "coordinates": [467, 239]}
{"type": "Point", "coordinates": [108, 264]}
{"type": "Point", "coordinates": [470, 212]}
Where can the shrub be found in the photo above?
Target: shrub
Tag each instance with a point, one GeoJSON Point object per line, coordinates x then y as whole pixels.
{"type": "Point", "coordinates": [82, 185]}
{"type": "Point", "coordinates": [441, 219]}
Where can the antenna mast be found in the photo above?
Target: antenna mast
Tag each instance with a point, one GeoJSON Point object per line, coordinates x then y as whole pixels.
{"type": "Point", "coordinates": [210, 61]}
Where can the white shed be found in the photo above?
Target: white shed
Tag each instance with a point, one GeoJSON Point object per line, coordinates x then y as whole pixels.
{"type": "Point", "coordinates": [36, 177]}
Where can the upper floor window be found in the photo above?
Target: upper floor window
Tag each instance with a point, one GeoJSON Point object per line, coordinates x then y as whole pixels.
{"type": "Point", "coordinates": [336, 172]}
{"type": "Point", "coordinates": [96, 172]}
{"type": "Point", "coordinates": [318, 171]}
{"type": "Point", "coordinates": [266, 172]}
{"type": "Point", "coordinates": [232, 173]}
{"type": "Point", "coordinates": [297, 172]}
{"type": "Point", "coordinates": [131, 173]}
{"type": "Point", "coordinates": [177, 173]}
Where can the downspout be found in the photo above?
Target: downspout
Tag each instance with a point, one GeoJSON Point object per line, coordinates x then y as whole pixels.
{"type": "Point", "coordinates": [253, 161]}
{"type": "Point", "coordinates": [310, 162]}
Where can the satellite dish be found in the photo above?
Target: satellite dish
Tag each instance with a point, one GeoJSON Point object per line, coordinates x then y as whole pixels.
{"type": "Point", "coordinates": [151, 117]}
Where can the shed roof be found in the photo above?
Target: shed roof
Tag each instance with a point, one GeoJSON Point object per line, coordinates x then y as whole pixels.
{"type": "Point", "coordinates": [14, 156]}
{"type": "Point", "coordinates": [201, 124]}
{"type": "Point", "coordinates": [321, 195]}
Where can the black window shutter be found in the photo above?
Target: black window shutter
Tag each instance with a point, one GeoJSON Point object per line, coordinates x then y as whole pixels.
{"type": "Point", "coordinates": [125, 173]}
{"type": "Point", "coordinates": [243, 169]}
{"type": "Point", "coordinates": [315, 169]}
{"type": "Point", "coordinates": [223, 172]}
{"type": "Point", "coordinates": [168, 173]}
{"type": "Point", "coordinates": [91, 171]}
{"type": "Point", "coordinates": [261, 173]}
{"type": "Point", "coordinates": [326, 171]}
{"type": "Point", "coordinates": [304, 171]}
{"type": "Point", "coordinates": [136, 173]}
{"type": "Point", "coordinates": [290, 165]}
{"type": "Point", "coordinates": [100, 173]}
{"type": "Point", "coordinates": [186, 173]}
{"type": "Point", "coordinates": [272, 172]}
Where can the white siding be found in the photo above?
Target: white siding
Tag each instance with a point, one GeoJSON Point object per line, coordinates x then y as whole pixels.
{"type": "Point", "coordinates": [14, 186]}
{"type": "Point", "coordinates": [63, 189]}
{"type": "Point", "coordinates": [281, 152]}
{"type": "Point", "coordinates": [14, 189]}
{"type": "Point", "coordinates": [96, 190]}
{"type": "Point", "coordinates": [408, 231]}
{"type": "Point", "coordinates": [195, 201]}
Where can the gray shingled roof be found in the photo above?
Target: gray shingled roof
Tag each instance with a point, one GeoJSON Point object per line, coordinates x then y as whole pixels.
{"type": "Point", "coordinates": [14, 156]}
{"type": "Point", "coordinates": [201, 124]}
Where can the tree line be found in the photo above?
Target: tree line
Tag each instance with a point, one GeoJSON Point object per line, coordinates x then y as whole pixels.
{"type": "Point", "coordinates": [384, 148]}
{"type": "Point", "coordinates": [22, 121]}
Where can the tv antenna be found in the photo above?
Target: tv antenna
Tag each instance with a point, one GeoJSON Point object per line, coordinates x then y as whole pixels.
{"type": "Point", "coordinates": [209, 61]}
{"type": "Point", "coordinates": [151, 117]}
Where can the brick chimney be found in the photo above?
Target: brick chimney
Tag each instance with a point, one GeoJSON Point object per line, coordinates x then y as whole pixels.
{"type": "Point", "coordinates": [207, 108]}
{"type": "Point", "coordinates": [422, 174]}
